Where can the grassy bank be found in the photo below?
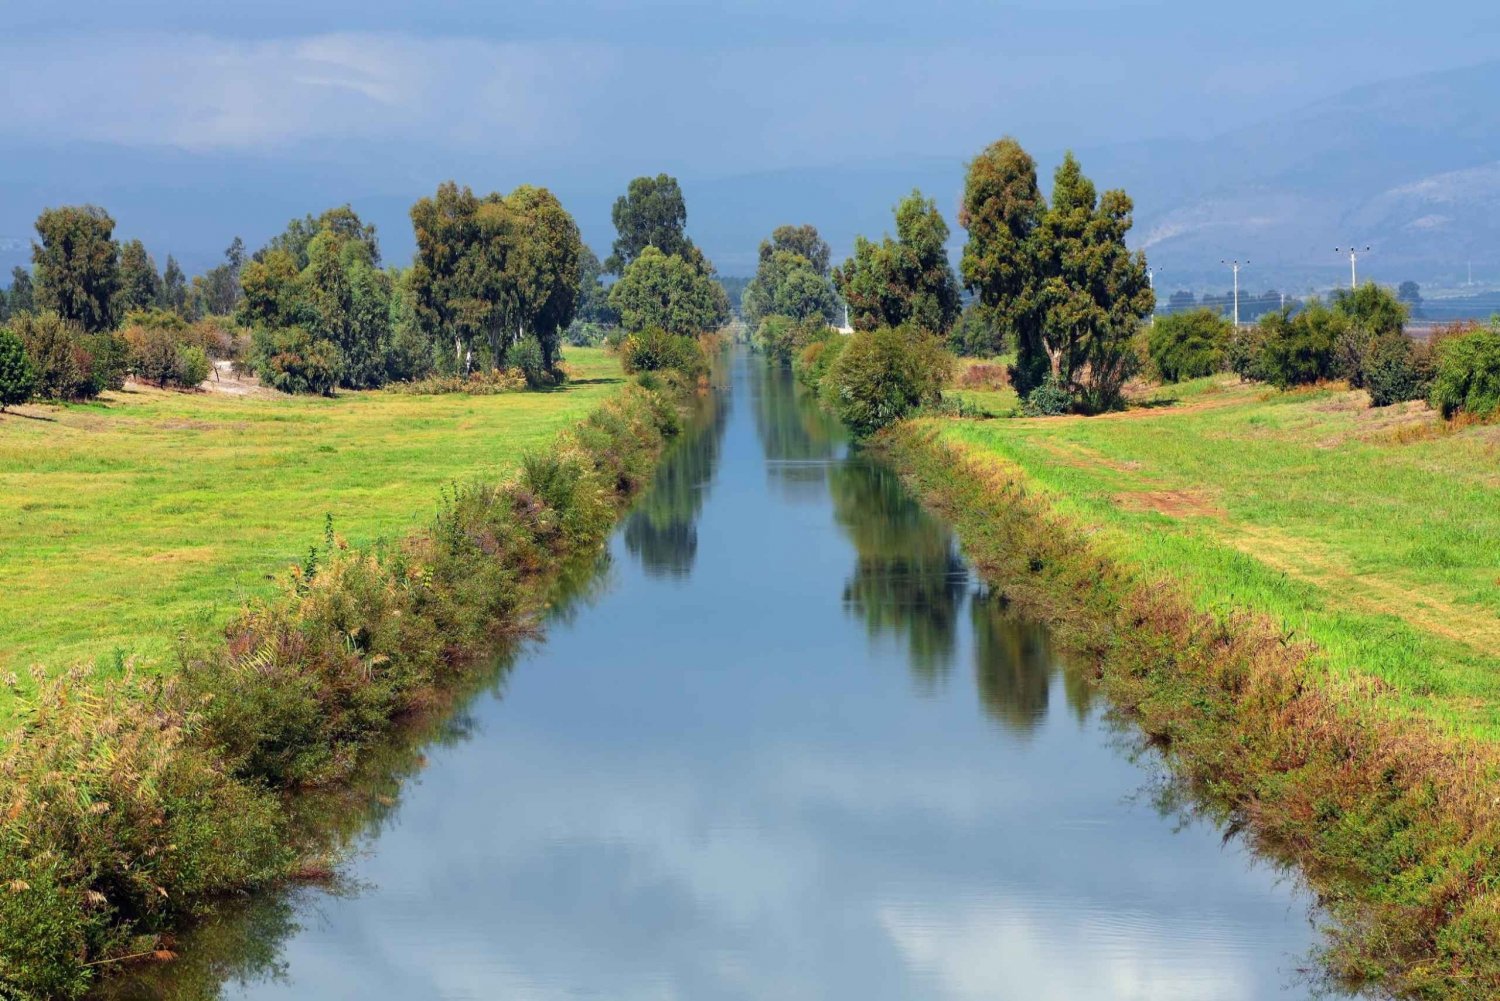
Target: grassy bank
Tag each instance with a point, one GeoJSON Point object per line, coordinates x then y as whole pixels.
{"type": "Point", "coordinates": [148, 513]}
{"type": "Point", "coordinates": [1296, 598]}
{"type": "Point", "coordinates": [1374, 533]}
{"type": "Point", "coordinates": [127, 804]}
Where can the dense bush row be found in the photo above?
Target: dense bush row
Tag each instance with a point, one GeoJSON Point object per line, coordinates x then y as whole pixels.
{"type": "Point", "coordinates": [124, 810]}
{"type": "Point", "coordinates": [1359, 338]}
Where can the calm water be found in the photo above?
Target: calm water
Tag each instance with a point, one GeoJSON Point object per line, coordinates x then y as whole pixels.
{"type": "Point", "coordinates": [786, 747]}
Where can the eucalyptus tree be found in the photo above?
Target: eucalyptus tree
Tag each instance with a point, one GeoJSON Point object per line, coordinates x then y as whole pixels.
{"type": "Point", "coordinates": [76, 266]}
{"type": "Point", "coordinates": [905, 280]}
{"type": "Point", "coordinates": [666, 291]}
{"type": "Point", "coordinates": [651, 213]}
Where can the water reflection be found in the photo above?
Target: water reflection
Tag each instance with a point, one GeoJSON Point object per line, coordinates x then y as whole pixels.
{"type": "Point", "coordinates": [797, 437]}
{"type": "Point", "coordinates": [908, 580]}
{"type": "Point", "coordinates": [662, 530]}
{"type": "Point", "coordinates": [726, 791]}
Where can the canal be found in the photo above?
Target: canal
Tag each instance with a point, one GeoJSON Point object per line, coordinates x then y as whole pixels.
{"type": "Point", "coordinates": [781, 745]}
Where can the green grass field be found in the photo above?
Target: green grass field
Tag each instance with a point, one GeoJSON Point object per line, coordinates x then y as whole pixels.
{"type": "Point", "coordinates": [1374, 533]}
{"type": "Point", "coordinates": [148, 513]}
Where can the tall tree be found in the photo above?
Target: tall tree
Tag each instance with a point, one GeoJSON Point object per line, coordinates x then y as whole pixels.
{"type": "Point", "coordinates": [140, 285]}
{"type": "Point", "coordinates": [1002, 208]}
{"type": "Point", "coordinates": [218, 288]}
{"type": "Point", "coordinates": [802, 240]}
{"type": "Point", "coordinates": [1095, 294]}
{"type": "Point", "coordinates": [663, 290]}
{"type": "Point", "coordinates": [593, 297]}
{"type": "Point", "coordinates": [905, 280]}
{"type": "Point", "coordinates": [651, 213]}
{"type": "Point", "coordinates": [448, 276]}
{"type": "Point", "coordinates": [22, 294]}
{"type": "Point", "coordinates": [299, 233]}
{"type": "Point", "coordinates": [77, 265]}
{"type": "Point", "coordinates": [787, 284]}
{"type": "Point", "coordinates": [174, 287]}
{"type": "Point", "coordinates": [542, 267]}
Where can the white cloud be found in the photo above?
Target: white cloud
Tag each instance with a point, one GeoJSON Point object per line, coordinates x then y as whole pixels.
{"type": "Point", "coordinates": [203, 93]}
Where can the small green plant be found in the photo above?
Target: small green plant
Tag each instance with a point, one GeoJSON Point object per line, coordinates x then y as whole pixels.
{"type": "Point", "coordinates": [17, 377]}
{"type": "Point", "coordinates": [1395, 370]}
{"type": "Point", "coordinates": [1050, 399]}
{"type": "Point", "coordinates": [526, 355]}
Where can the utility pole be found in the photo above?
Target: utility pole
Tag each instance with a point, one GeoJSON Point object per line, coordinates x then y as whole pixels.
{"type": "Point", "coordinates": [1151, 283]}
{"type": "Point", "coordinates": [1354, 253]}
{"type": "Point", "coordinates": [1235, 265]}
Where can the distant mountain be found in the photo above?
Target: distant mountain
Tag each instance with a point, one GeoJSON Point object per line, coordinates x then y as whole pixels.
{"type": "Point", "coordinates": [1410, 167]}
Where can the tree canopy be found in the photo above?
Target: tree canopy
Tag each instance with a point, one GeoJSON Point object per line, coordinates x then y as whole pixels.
{"type": "Point", "coordinates": [1002, 208]}
{"type": "Point", "coordinates": [651, 213]}
{"type": "Point", "coordinates": [76, 266]}
{"type": "Point", "coordinates": [787, 284]}
{"type": "Point", "coordinates": [801, 240]}
{"type": "Point", "coordinates": [664, 290]}
{"type": "Point", "coordinates": [905, 280]}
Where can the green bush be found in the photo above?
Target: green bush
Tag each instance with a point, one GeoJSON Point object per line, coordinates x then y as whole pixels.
{"type": "Point", "coordinates": [781, 338]}
{"type": "Point", "coordinates": [293, 361]}
{"type": "Point", "coordinates": [1244, 355]}
{"type": "Point", "coordinates": [62, 358]}
{"type": "Point", "coordinates": [653, 350]}
{"type": "Point", "coordinates": [815, 360]}
{"type": "Point", "coordinates": [1467, 379]}
{"type": "Point", "coordinates": [1395, 370]}
{"type": "Point", "coordinates": [1050, 399]}
{"type": "Point", "coordinates": [1188, 345]}
{"type": "Point", "coordinates": [882, 376]}
{"type": "Point", "coordinates": [193, 366]}
{"type": "Point", "coordinates": [17, 377]}
{"type": "Point", "coordinates": [526, 355]}
{"type": "Point", "coordinates": [1299, 349]}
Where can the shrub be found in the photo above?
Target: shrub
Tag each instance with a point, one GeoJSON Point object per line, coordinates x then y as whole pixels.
{"type": "Point", "coordinates": [815, 360]}
{"type": "Point", "coordinates": [193, 366]}
{"type": "Point", "coordinates": [1245, 353]}
{"type": "Point", "coordinates": [1467, 379]}
{"type": "Point", "coordinates": [882, 376]}
{"type": "Point", "coordinates": [526, 355]}
{"type": "Point", "coordinates": [60, 357]}
{"type": "Point", "coordinates": [1188, 345]}
{"type": "Point", "coordinates": [1050, 399]}
{"type": "Point", "coordinates": [293, 361]}
{"type": "Point", "coordinates": [653, 349]}
{"type": "Point", "coordinates": [17, 377]}
{"type": "Point", "coordinates": [1298, 350]}
{"type": "Point", "coordinates": [481, 382]}
{"type": "Point", "coordinates": [781, 338]}
{"type": "Point", "coordinates": [1395, 370]}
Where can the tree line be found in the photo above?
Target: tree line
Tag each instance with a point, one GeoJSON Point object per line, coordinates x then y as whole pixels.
{"type": "Point", "coordinates": [497, 283]}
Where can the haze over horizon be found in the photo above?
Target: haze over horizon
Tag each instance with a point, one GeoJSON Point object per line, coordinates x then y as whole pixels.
{"type": "Point", "coordinates": [831, 110]}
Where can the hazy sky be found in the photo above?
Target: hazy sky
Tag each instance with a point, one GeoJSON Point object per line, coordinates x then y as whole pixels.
{"type": "Point", "coordinates": [694, 87]}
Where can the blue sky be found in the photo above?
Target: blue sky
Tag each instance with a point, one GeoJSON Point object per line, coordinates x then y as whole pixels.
{"type": "Point", "coordinates": [196, 121]}
{"type": "Point", "coordinates": [693, 86]}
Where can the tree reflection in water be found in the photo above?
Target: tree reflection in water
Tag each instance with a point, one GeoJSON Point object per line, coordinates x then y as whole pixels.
{"type": "Point", "coordinates": [662, 529]}
{"type": "Point", "coordinates": [798, 438]}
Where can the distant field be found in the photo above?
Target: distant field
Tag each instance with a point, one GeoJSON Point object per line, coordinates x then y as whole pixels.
{"type": "Point", "coordinates": [148, 513]}
{"type": "Point", "coordinates": [1367, 531]}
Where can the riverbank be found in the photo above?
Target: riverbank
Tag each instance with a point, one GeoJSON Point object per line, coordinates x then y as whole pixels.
{"type": "Point", "coordinates": [131, 803]}
{"type": "Point", "coordinates": [1194, 552]}
{"type": "Point", "coordinates": [148, 514]}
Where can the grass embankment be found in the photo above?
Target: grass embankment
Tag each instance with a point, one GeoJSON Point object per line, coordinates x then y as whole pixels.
{"type": "Point", "coordinates": [1298, 597]}
{"type": "Point", "coordinates": [150, 513]}
{"type": "Point", "coordinates": [128, 804]}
